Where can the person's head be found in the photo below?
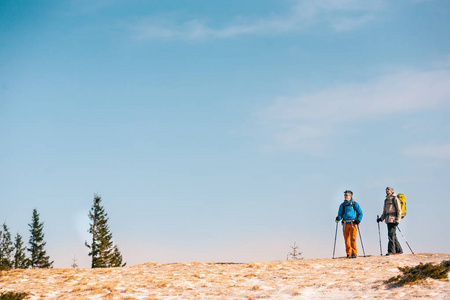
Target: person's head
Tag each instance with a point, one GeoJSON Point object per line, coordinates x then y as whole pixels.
{"type": "Point", "coordinates": [389, 190]}
{"type": "Point", "coordinates": [348, 195]}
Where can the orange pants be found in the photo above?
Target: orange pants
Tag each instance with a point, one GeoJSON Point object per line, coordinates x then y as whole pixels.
{"type": "Point", "coordinates": [350, 234]}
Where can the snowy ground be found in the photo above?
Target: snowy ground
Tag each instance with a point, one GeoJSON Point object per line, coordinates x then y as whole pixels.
{"type": "Point", "coordinates": [341, 278]}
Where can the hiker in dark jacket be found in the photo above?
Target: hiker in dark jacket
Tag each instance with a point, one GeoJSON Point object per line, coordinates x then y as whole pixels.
{"type": "Point", "coordinates": [351, 215]}
{"type": "Point", "coordinates": [392, 214]}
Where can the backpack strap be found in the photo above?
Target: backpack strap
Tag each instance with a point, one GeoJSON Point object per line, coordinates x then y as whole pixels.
{"type": "Point", "coordinates": [354, 208]}
{"type": "Point", "coordinates": [352, 204]}
{"type": "Point", "coordinates": [395, 205]}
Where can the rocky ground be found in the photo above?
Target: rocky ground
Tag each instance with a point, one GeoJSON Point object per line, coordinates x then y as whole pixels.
{"type": "Point", "coordinates": [295, 279]}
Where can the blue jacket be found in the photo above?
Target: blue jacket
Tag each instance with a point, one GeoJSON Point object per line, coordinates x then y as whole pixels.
{"type": "Point", "coordinates": [347, 212]}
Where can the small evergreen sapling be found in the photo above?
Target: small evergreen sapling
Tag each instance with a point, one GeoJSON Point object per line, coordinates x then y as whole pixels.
{"type": "Point", "coordinates": [295, 254]}
{"type": "Point", "coordinates": [74, 263]}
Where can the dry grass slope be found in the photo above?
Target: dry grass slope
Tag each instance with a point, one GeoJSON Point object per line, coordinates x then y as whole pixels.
{"type": "Point", "coordinates": [295, 279]}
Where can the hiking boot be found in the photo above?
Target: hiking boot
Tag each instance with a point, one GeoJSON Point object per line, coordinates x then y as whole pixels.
{"type": "Point", "coordinates": [354, 255]}
{"type": "Point", "coordinates": [401, 252]}
{"type": "Point", "coordinates": [348, 256]}
{"type": "Point", "coordinates": [387, 254]}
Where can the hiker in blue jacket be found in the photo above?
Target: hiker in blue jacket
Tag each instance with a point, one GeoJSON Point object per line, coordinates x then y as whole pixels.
{"type": "Point", "coordinates": [351, 215]}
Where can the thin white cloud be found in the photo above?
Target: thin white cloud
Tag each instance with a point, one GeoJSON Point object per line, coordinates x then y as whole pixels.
{"type": "Point", "coordinates": [346, 24]}
{"type": "Point", "coordinates": [436, 151]}
{"type": "Point", "coordinates": [443, 63]}
{"type": "Point", "coordinates": [88, 7]}
{"type": "Point", "coordinates": [339, 15]}
{"type": "Point", "coordinates": [195, 29]}
{"type": "Point", "coordinates": [307, 121]}
{"type": "Point", "coordinates": [198, 29]}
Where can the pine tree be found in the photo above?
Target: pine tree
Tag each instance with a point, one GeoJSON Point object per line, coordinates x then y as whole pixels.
{"type": "Point", "coordinates": [38, 257]}
{"type": "Point", "coordinates": [20, 260]}
{"type": "Point", "coordinates": [101, 248]}
{"type": "Point", "coordinates": [6, 248]}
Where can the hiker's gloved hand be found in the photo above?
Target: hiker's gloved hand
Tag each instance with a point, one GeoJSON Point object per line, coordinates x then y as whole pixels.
{"type": "Point", "coordinates": [396, 223]}
{"type": "Point", "coordinates": [356, 222]}
{"type": "Point", "coordinates": [337, 219]}
{"type": "Point", "coordinates": [378, 219]}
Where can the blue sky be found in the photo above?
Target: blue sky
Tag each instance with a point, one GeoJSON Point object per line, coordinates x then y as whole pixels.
{"type": "Point", "coordinates": [225, 130]}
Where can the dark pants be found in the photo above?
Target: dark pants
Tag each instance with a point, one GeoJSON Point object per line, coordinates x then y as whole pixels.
{"type": "Point", "coordinates": [393, 245]}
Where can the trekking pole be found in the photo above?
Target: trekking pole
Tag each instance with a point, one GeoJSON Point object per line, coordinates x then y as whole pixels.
{"type": "Point", "coordinates": [359, 231]}
{"type": "Point", "coordinates": [379, 236]}
{"type": "Point", "coordinates": [405, 239]}
{"type": "Point", "coordinates": [335, 234]}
